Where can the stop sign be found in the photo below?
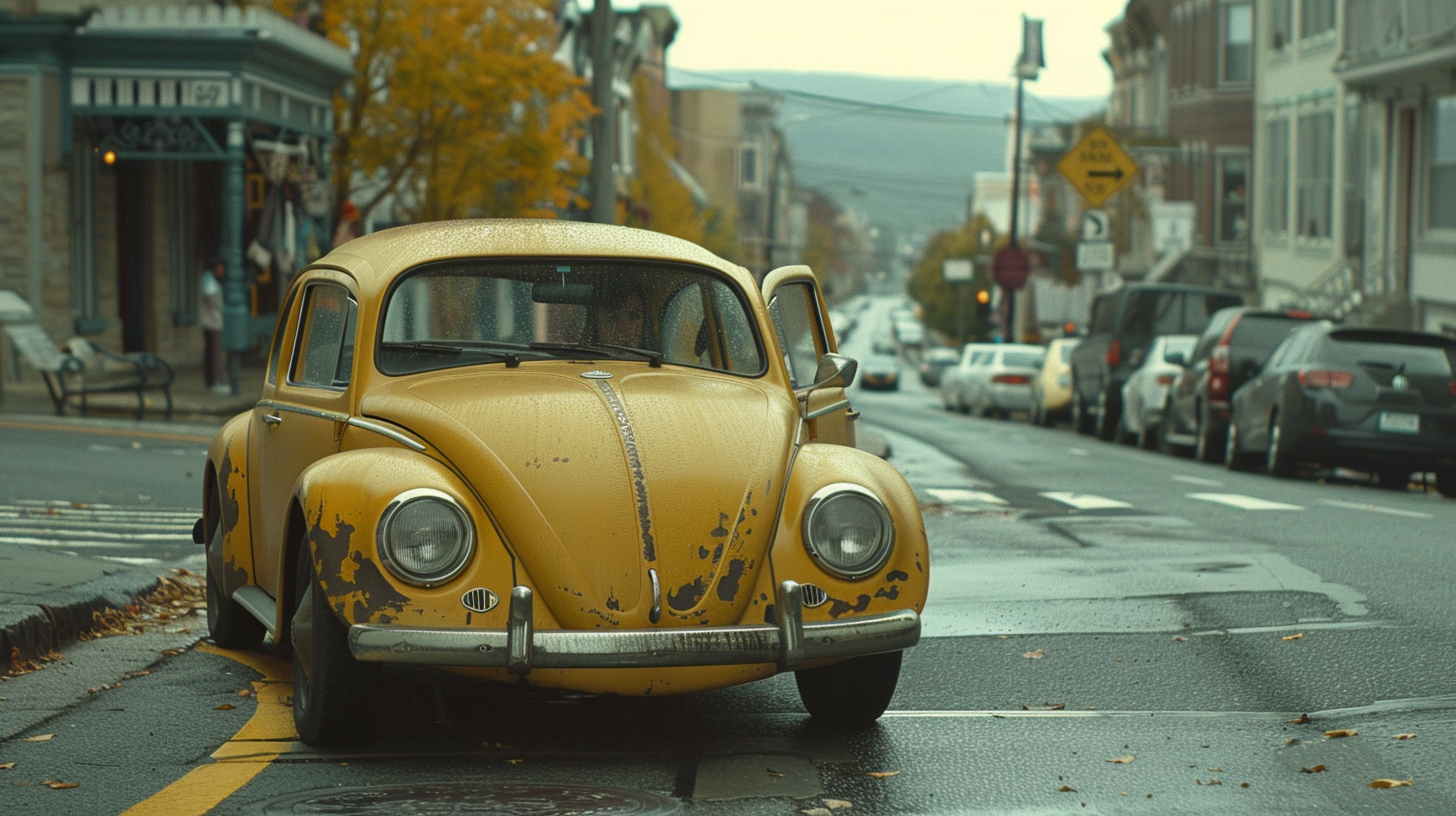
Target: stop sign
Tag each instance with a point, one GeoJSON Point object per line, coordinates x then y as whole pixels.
{"type": "Point", "coordinates": [1010, 267]}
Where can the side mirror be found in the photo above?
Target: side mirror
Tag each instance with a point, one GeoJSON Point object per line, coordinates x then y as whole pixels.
{"type": "Point", "coordinates": [1177, 358]}
{"type": "Point", "coordinates": [835, 371]}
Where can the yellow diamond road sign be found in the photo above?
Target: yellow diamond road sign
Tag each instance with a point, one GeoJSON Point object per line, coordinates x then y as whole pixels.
{"type": "Point", "coordinates": [1097, 167]}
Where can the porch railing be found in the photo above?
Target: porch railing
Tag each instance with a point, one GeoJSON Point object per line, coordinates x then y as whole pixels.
{"type": "Point", "coordinates": [1341, 289]}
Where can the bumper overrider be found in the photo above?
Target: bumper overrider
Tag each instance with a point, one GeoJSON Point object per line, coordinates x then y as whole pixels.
{"type": "Point", "coordinates": [519, 648]}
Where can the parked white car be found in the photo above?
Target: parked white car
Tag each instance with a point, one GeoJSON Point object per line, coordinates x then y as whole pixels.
{"type": "Point", "coordinates": [1145, 394]}
{"type": "Point", "coordinates": [993, 379]}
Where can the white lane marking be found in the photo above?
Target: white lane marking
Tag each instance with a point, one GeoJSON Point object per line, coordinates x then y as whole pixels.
{"type": "Point", "coordinates": [1197, 481]}
{"type": "Point", "coordinates": [951, 495]}
{"type": "Point", "coordinates": [1243, 502]}
{"type": "Point", "coordinates": [1082, 501]}
{"type": "Point", "coordinates": [1077, 451]}
{"type": "Point", "coordinates": [1374, 508]}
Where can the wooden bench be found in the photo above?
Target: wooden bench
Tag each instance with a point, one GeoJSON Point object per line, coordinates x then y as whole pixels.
{"type": "Point", "coordinates": [82, 368]}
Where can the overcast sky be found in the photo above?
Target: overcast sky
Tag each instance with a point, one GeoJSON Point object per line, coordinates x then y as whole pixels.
{"type": "Point", "coordinates": [968, 40]}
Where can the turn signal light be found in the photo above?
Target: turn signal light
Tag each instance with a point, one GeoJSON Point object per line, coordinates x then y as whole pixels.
{"type": "Point", "coordinates": [1324, 378]}
{"type": "Point", "coordinates": [1114, 352]}
{"type": "Point", "coordinates": [1011, 379]}
{"type": "Point", "coordinates": [1165, 379]}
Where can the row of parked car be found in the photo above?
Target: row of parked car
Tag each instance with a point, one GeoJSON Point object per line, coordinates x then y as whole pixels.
{"type": "Point", "coordinates": [1195, 371]}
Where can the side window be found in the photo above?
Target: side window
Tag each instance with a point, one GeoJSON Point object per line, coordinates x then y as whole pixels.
{"type": "Point", "coordinates": [796, 321]}
{"type": "Point", "coordinates": [685, 331]}
{"type": "Point", "coordinates": [278, 331]}
{"type": "Point", "coordinates": [324, 351]}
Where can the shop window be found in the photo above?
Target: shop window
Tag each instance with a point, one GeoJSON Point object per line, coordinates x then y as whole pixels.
{"type": "Point", "coordinates": [1281, 24]}
{"type": "Point", "coordinates": [749, 175]}
{"type": "Point", "coordinates": [1233, 198]}
{"type": "Point", "coordinates": [1238, 39]}
{"type": "Point", "coordinates": [1315, 17]}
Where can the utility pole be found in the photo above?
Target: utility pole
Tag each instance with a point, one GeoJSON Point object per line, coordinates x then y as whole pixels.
{"type": "Point", "coordinates": [604, 126]}
{"type": "Point", "coordinates": [1013, 266]}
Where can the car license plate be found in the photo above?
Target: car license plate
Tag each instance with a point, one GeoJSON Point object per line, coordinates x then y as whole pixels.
{"type": "Point", "coordinates": [1400, 423]}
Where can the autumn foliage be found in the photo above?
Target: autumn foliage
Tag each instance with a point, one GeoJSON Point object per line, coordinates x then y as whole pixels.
{"type": "Point", "coordinates": [456, 108]}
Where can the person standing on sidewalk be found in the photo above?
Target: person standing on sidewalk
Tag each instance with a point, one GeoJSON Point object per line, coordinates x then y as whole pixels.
{"type": "Point", "coordinates": [209, 317]}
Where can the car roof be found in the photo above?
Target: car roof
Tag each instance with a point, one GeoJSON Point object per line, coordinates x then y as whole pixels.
{"type": "Point", "coordinates": [375, 259]}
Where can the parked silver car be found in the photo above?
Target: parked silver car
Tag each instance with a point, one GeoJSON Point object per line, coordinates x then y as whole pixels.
{"type": "Point", "coordinates": [1145, 394]}
{"type": "Point", "coordinates": [993, 379]}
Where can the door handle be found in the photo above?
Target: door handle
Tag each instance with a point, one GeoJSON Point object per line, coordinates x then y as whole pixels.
{"type": "Point", "coordinates": [272, 419]}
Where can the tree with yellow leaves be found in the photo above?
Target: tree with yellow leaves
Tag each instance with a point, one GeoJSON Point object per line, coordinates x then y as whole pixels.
{"type": "Point", "coordinates": [456, 109]}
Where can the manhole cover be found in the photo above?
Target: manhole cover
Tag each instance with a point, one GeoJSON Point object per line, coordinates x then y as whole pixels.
{"type": "Point", "coordinates": [466, 799]}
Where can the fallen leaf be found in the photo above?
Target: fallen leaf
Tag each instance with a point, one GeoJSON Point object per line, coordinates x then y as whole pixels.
{"type": "Point", "coordinates": [136, 674]}
{"type": "Point", "coordinates": [7, 766]}
{"type": "Point", "coordinates": [1038, 654]}
{"type": "Point", "coordinates": [1342, 732]}
{"type": "Point", "coordinates": [245, 693]}
{"type": "Point", "coordinates": [1299, 636]}
{"type": "Point", "coordinates": [1315, 769]}
{"type": "Point", "coordinates": [816, 812]}
{"type": "Point", "coordinates": [1293, 741]}
{"type": "Point", "coordinates": [1302, 719]}
{"type": "Point", "coordinates": [1215, 770]}
{"type": "Point", "coordinates": [515, 761]}
{"type": "Point", "coordinates": [1044, 707]}
{"type": "Point", "coordinates": [772, 772]}
{"type": "Point", "coordinates": [1404, 736]}
{"type": "Point", "coordinates": [1243, 784]}
{"type": "Point", "coordinates": [1391, 783]}
{"type": "Point", "coordinates": [882, 774]}
{"type": "Point", "coordinates": [41, 738]}
{"type": "Point", "coordinates": [837, 804]}
{"type": "Point", "coordinates": [55, 784]}
{"type": "Point", "coordinates": [1066, 789]}
{"type": "Point", "coordinates": [1123, 760]}
{"type": "Point", "coordinates": [1180, 638]}
{"type": "Point", "coordinates": [225, 707]}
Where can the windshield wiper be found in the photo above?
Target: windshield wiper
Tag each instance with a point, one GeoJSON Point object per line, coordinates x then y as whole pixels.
{"type": "Point", "coordinates": [653, 358]}
{"type": "Point", "coordinates": [511, 360]}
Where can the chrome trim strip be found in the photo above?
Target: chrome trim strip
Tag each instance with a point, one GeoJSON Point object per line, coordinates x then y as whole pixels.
{"type": "Point", "coordinates": [519, 639]}
{"type": "Point", "coordinates": [828, 409]}
{"type": "Point", "coordinates": [619, 649]}
{"type": "Point", "coordinates": [634, 461]}
{"type": "Point", "coordinates": [386, 432]}
{"type": "Point", "coordinates": [655, 614]}
{"type": "Point", "coordinates": [334, 416]}
{"type": "Point", "coordinates": [259, 604]}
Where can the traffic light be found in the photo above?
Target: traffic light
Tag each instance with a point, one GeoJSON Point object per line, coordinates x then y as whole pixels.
{"type": "Point", "coordinates": [983, 303]}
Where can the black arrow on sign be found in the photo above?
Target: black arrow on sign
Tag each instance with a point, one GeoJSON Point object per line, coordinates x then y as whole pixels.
{"type": "Point", "coordinates": [1115, 173]}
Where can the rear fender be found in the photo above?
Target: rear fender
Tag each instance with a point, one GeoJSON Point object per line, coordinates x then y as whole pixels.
{"type": "Point", "coordinates": [342, 499]}
{"type": "Point", "coordinates": [904, 580]}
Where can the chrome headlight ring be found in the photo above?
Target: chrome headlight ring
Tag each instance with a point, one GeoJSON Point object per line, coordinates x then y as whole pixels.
{"type": "Point", "coordinates": [430, 563]}
{"type": "Point", "coordinates": [847, 530]}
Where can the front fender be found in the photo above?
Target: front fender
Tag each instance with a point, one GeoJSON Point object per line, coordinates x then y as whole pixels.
{"type": "Point", "coordinates": [342, 498]}
{"type": "Point", "coordinates": [904, 580]}
{"type": "Point", "coordinates": [225, 505]}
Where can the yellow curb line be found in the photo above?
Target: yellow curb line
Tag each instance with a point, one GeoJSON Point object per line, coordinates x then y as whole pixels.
{"type": "Point", "coordinates": [267, 734]}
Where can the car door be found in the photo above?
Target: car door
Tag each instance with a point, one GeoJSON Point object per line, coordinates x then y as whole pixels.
{"type": "Point", "coordinates": [797, 311]}
{"type": "Point", "coordinates": [302, 414]}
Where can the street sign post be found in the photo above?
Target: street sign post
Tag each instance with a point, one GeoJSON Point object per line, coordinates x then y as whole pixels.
{"type": "Point", "coordinates": [1097, 167]}
{"type": "Point", "coordinates": [1095, 256]}
{"type": "Point", "coordinates": [956, 270]}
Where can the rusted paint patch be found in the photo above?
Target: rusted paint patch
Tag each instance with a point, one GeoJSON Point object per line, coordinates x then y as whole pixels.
{"type": "Point", "coordinates": [839, 607]}
{"type": "Point", "coordinates": [728, 584]}
{"type": "Point", "coordinates": [720, 531]}
{"type": "Point", "coordinates": [634, 461]}
{"type": "Point", "coordinates": [897, 575]}
{"type": "Point", "coordinates": [888, 594]}
{"type": "Point", "coordinates": [687, 596]}
{"type": "Point", "coordinates": [612, 602]}
{"type": "Point", "coordinates": [374, 592]}
{"type": "Point", "coordinates": [703, 552]}
{"type": "Point", "coordinates": [364, 586]}
{"type": "Point", "coordinates": [229, 499]}
{"type": "Point", "coordinates": [236, 575]}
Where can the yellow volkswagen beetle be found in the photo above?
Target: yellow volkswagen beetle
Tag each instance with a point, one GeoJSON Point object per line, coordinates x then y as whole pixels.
{"type": "Point", "coordinates": [572, 455]}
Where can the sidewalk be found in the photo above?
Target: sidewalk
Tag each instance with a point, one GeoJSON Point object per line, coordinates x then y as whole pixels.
{"type": "Point", "coordinates": [47, 597]}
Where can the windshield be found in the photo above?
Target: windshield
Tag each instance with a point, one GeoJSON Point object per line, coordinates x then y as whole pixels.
{"type": "Point", "coordinates": [475, 313]}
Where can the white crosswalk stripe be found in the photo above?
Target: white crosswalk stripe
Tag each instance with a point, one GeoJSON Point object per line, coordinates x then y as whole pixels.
{"type": "Point", "coordinates": [124, 534]}
{"type": "Point", "coordinates": [1243, 502]}
{"type": "Point", "coordinates": [1083, 501]}
{"type": "Point", "coordinates": [951, 495]}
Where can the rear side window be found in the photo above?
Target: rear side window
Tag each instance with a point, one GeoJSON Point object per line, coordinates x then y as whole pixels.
{"type": "Point", "coordinates": [1104, 314]}
{"type": "Point", "coordinates": [1255, 336]}
{"type": "Point", "coordinates": [1390, 358]}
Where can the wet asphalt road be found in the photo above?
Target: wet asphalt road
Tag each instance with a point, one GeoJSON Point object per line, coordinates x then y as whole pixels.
{"type": "Point", "coordinates": [1109, 630]}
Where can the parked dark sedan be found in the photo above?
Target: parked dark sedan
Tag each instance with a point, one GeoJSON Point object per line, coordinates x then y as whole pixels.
{"type": "Point", "coordinates": [1231, 350]}
{"type": "Point", "coordinates": [880, 372]}
{"type": "Point", "coordinates": [1377, 400]}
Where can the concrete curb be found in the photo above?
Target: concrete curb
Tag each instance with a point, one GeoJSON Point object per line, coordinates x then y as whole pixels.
{"type": "Point", "coordinates": [28, 631]}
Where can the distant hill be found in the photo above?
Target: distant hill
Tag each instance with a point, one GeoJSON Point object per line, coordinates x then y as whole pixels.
{"type": "Point", "coordinates": [904, 151]}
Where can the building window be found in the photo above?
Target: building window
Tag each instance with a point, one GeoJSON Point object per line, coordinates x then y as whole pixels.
{"type": "Point", "coordinates": [1441, 208]}
{"type": "Point", "coordinates": [1238, 38]}
{"type": "Point", "coordinates": [1281, 24]}
{"type": "Point", "coordinates": [1276, 179]}
{"type": "Point", "coordinates": [1315, 17]}
{"type": "Point", "coordinates": [749, 174]}
{"type": "Point", "coordinates": [1233, 198]}
{"type": "Point", "coordinates": [1316, 168]}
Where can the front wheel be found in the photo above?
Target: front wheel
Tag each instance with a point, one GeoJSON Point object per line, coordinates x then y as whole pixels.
{"type": "Point", "coordinates": [1210, 447]}
{"type": "Point", "coordinates": [852, 692]}
{"type": "Point", "coordinates": [331, 690]}
{"type": "Point", "coordinates": [1234, 457]}
{"type": "Point", "coordinates": [1082, 419]}
{"type": "Point", "coordinates": [1393, 478]}
{"type": "Point", "coordinates": [1109, 416]}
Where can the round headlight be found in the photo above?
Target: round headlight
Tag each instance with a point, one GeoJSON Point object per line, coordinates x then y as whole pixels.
{"type": "Point", "coordinates": [425, 537]}
{"type": "Point", "coordinates": [848, 530]}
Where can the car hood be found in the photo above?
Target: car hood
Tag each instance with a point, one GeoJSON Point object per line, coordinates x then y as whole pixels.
{"type": "Point", "coordinates": [594, 480]}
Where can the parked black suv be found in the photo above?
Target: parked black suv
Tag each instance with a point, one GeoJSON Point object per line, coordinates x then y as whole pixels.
{"type": "Point", "coordinates": [1232, 350]}
{"type": "Point", "coordinates": [1123, 324]}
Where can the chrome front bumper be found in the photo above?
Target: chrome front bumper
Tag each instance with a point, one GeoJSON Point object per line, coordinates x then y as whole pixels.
{"type": "Point", "coordinates": [520, 648]}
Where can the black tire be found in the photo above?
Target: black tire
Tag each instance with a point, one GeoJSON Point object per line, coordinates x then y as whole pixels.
{"type": "Point", "coordinates": [1109, 416]}
{"type": "Point", "coordinates": [1233, 457]}
{"type": "Point", "coordinates": [1211, 443]}
{"type": "Point", "coordinates": [331, 690]}
{"type": "Point", "coordinates": [1082, 420]}
{"type": "Point", "coordinates": [852, 692]}
{"type": "Point", "coordinates": [1148, 437]}
{"type": "Point", "coordinates": [1037, 415]}
{"type": "Point", "coordinates": [228, 624]}
{"type": "Point", "coordinates": [1393, 478]}
{"type": "Point", "coordinates": [1446, 483]}
{"type": "Point", "coordinates": [1277, 460]}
